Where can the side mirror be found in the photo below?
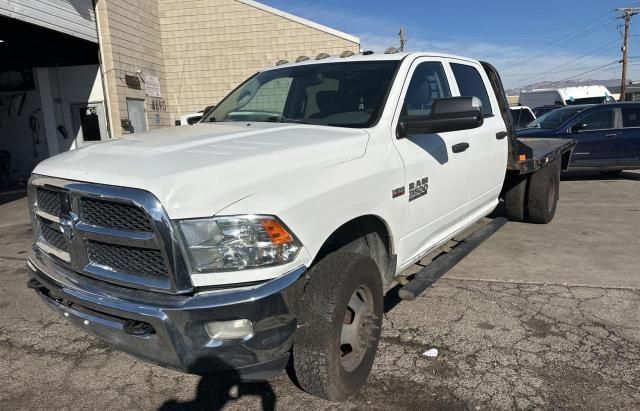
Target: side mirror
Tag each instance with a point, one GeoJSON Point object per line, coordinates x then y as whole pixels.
{"type": "Point", "coordinates": [447, 114]}
{"type": "Point", "coordinates": [577, 127]}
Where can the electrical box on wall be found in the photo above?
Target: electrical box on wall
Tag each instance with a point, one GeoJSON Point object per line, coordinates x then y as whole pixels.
{"type": "Point", "coordinates": [132, 82]}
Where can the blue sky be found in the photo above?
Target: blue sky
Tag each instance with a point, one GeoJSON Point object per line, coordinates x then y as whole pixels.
{"type": "Point", "coordinates": [529, 41]}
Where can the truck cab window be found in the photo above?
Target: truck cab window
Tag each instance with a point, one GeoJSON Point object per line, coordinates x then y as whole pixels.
{"type": "Point", "coordinates": [428, 84]}
{"type": "Point", "coordinates": [470, 84]}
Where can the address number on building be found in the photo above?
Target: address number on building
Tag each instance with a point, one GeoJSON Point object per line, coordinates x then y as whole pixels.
{"type": "Point", "coordinates": [158, 105]}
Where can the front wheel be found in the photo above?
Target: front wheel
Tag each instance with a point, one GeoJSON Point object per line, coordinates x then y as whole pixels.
{"type": "Point", "coordinates": [340, 323]}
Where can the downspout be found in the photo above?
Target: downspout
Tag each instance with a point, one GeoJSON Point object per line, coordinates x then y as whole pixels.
{"type": "Point", "coordinates": [103, 75]}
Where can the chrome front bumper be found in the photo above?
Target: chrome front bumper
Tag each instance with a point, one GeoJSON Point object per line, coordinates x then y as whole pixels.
{"type": "Point", "coordinates": [168, 330]}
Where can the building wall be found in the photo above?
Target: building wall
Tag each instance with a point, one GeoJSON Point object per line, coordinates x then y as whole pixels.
{"type": "Point", "coordinates": [210, 46]}
{"type": "Point", "coordinates": [131, 43]}
{"type": "Point", "coordinates": [200, 50]}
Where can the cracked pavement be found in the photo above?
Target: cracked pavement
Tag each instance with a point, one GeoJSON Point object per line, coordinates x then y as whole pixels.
{"type": "Point", "coordinates": [516, 327]}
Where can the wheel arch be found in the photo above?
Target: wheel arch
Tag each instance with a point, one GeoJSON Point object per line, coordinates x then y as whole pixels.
{"type": "Point", "coordinates": [368, 235]}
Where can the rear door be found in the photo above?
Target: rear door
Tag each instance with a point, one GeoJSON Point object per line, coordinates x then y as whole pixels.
{"type": "Point", "coordinates": [436, 177]}
{"type": "Point", "coordinates": [630, 139]}
{"type": "Point", "coordinates": [488, 146]}
{"type": "Point", "coordinates": [598, 133]}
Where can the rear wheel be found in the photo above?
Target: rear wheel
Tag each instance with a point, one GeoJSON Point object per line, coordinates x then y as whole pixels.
{"type": "Point", "coordinates": [514, 197]}
{"type": "Point", "coordinates": [543, 193]}
{"type": "Point", "coordinates": [340, 323]}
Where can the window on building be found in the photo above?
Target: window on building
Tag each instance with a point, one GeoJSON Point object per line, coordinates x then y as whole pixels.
{"type": "Point", "coordinates": [470, 84]}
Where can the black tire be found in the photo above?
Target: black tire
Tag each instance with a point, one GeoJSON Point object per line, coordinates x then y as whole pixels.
{"type": "Point", "coordinates": [542, 194]}
{"type": "Point", "coordinates": [515, 198]}
{"type": "Point", "coordinates": [318, 356]}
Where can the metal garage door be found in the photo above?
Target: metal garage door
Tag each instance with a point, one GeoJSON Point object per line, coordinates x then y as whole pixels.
{"type": "Point", "coordinates": [73, 17]}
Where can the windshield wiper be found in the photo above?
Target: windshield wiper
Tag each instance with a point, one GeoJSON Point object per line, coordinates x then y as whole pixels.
{"type": "Point", "coordinates": [283, 119]}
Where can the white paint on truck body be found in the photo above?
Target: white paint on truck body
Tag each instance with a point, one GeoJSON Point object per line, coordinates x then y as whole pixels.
{"type": "Point", "coordinates": [314, 178]}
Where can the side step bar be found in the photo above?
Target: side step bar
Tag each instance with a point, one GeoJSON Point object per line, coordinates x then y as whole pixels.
{"type": "Point", "coordinates": [424, 278]}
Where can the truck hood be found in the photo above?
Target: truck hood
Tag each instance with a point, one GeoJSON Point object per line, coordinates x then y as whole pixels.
{"type": "Point", "coordinates": [196, 171]}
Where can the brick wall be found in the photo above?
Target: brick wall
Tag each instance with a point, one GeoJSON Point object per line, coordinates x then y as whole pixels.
{"type": "Point", "coordinates": [210, 46]}
{"type": "Point", "coordinates": [200, 49]}
{"type": "Point", "coordinates": [131, 41]}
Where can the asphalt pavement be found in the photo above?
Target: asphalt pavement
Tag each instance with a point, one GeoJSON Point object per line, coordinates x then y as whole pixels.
{"type": "Point", "coordinates": [539, 316]}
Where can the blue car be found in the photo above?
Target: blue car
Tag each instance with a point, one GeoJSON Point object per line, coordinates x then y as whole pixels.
{"type": "Point", "coordinates": [608, 135]}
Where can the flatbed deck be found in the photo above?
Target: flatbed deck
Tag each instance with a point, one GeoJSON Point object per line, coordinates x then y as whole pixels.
{"type": "Point", "coordinates": [534, 153]}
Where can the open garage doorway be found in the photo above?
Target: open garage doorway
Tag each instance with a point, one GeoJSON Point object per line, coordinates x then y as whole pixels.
{"type": "Point", "coordinates": [51, 97]}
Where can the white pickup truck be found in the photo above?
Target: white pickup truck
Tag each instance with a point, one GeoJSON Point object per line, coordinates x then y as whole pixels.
{"type": "Point", "coordinates": [264, 235]}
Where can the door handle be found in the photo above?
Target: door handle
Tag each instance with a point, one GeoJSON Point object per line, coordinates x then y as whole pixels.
{"type": "Point", "coordinates": [460, 147]}
{"type": "Point", "coordinates": [501, 134]}
{"type": "Point", "coordinates": [611, 135]}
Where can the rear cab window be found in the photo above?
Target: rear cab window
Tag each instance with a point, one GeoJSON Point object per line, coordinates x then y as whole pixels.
{"type": "Point", "coordinates": [470, 84]}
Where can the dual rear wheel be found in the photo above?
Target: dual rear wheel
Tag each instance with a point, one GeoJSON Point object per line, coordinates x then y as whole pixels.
{"type": "Point", "coordinates": [533, 198]}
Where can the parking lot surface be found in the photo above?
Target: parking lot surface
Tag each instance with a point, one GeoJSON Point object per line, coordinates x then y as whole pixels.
{"type": "Point", "coordinates": [539, 316]}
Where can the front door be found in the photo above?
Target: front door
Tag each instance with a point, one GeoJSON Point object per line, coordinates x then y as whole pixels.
{"type": "Point", "coordinates": [436, 177]}
{"type": "Point", "coordinates": [89, 123]}
{"type": "Point", "coordinates": [598, 134]}
{"type": "Point", "coordinates": [137, 114]}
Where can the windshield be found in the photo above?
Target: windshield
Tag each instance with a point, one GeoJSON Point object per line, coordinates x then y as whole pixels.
{"type": "Point", "coordinates": [554, 119]}
{"type": "Point", "coordinates": [349, 94]}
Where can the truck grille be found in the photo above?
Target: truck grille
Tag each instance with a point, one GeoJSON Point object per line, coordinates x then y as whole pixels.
{"type": "Point", "coordinates": [54, 238]}
{"type": "Point", "coordinates": [49, 201]}
{"type": "Point", "coordinates": [115, 215]}
{"type": "Point", "coordinates": [145, 262]}
{"type": "Point", "coordinates": [115, 234]}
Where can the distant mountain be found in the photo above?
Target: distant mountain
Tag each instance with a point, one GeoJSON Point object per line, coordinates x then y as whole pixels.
{"type": "Point", "coordinates": [560, 84]}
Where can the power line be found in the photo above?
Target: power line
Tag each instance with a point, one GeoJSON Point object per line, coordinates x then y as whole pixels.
{"type": "Point", "coordinates": [577, 34]}
{"type": "Point", "coordinates": [588, 71]}
{"type": "Point", "coordinates": [573, 62]}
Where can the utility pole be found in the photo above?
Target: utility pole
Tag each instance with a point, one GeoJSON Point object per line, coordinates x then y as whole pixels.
{"type": "Point", "coordinates": [628, 12]}
{"type": "Point", "coordinates": [403, 38]}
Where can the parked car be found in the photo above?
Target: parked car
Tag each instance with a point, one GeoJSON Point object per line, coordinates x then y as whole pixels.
{"type": "Point", "coordinates": [522, 115]}
{"type": "Point", "coordinates": [608, 135]}
{"type": "Point", "coordinates": [538, 111]}
{"type": "Point", "coordinates": [190, 119]}
{"type": "Point", "coordinates": [566, 96]}
{"type": "Point", "coordinates": [263, 236]}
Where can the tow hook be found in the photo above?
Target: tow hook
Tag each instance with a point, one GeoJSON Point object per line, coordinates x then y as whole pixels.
{"type": "Point", "coordinates": [35, 284]}
{"type": "Point", "coordinates": [138, 328]}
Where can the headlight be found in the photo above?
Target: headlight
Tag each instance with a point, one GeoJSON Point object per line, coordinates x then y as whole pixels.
{"type": "Point", "coordinates": [237, 243]}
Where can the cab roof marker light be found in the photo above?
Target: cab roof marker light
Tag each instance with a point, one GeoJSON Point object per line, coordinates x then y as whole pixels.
{"type": "Point", "coordinates": [391, 50]}
{"type": "Point", "coordinates": [281, 62]}
{"type": "Point", "coordinates": [347, 53]}
{"type": "Point", "coordinates": [322, 56]}
{"type": "Point", "coordinates": [301, 59]}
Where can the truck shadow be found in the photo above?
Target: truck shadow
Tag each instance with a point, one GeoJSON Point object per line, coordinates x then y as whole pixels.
{"type": "Point", "coordinates": [216, 390]}
{"type": "Point", "coordinates": [588, 175]}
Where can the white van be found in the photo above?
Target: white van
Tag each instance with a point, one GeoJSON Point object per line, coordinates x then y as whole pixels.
{"type": "Point", "coordinates": [565, 96]}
